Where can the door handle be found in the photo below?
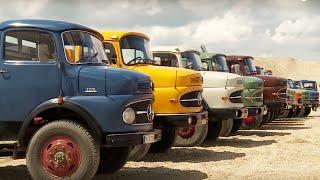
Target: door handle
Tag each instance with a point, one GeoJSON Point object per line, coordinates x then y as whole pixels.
{"type": "Point", "coordinates": [2, 71]}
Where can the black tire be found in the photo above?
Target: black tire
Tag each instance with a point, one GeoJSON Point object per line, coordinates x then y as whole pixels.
{"type": "Point", "coordinates": [291, 113]}
{"type": "Point", "coordinates": [277, 114]}
{"type": "Point", "coordinates": [237, 124]}
{"type": "Point", "coordinates": [214, 128]}
{"type": "Point", "coordinates": [284, 113]}
{"type": "Point", "coordinates": [296, 113]}
{"type": "Point", "coordinates": [266, 117]}
{"type": "Point", "coordinates": [82, 141]}
{"type": "Point", "coordinates": [113, 159]}
{"type": "Point", "coordinates": [138, 152]}
{"type": "Point", "coordinates": [307, 111]}
{"type": "Point", "coordinates": [199, 136]}
{"type": "Point", "coordinates": [168, 139]}
{"type": "Point", "coordinates": [226, 128]}
{"type": "Point", "coordinates": [272, 116]}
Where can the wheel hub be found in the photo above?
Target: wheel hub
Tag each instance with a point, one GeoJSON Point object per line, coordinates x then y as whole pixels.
{"type": "Point", "coordinates": [60, 157]}
{"type": "Point", "coordinates": [186, 132]}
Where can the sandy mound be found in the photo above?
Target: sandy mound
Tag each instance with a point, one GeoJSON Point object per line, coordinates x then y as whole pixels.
{"type": "Point", "coordinates": [292, 68]}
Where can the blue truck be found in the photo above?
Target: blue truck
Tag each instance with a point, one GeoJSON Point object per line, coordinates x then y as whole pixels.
{"type": "Point", "coordinates": [312, 87]}
{"type": "Point", "coordinates": [63, 107]}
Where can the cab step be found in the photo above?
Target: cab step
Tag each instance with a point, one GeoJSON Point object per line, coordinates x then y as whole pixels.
{"type": "Point", "coordinates": [9, 145]}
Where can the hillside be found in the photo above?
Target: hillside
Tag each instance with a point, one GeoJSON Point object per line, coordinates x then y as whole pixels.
{"type": "Point", "coordinates": [292, 68]}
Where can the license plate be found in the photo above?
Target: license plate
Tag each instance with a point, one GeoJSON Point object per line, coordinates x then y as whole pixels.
{"type": "Point", "coordinates": [147, 139]}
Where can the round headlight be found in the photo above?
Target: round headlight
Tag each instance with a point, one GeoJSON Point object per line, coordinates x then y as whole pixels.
{"type": "Point", "coordinates": [129, 115]}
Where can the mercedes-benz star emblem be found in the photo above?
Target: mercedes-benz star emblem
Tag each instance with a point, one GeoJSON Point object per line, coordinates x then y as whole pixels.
{"type": "Point", "coordinates": [150, 113]}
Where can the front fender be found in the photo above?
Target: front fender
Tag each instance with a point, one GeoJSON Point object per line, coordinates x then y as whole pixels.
{"type": "Point", "coordinates": [53, 103]}
{"type": "Point", "coordinates": [214, 97]}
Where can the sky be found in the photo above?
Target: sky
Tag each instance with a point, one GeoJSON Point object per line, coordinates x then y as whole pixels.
{"type": "Point", "coordinates": [265, 28]}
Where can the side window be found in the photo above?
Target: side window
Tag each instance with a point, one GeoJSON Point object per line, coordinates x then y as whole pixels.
{"type": "Point", "coordinates": [29, 46]}
{"type": "Point", "coordinates": [110, 52]}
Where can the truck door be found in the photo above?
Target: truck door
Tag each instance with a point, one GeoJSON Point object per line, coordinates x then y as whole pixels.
{"type": "Point", "coordinates": [29, 74]}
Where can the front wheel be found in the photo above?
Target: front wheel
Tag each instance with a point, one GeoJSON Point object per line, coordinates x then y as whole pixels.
{"type": "Point", "coordinates": [237, 124]}
{"type": "Point", "coordinates": [167, 140]}
{"type": "Point", "coordinates": [192, 136]}
{"type": "Point", "coordinates": [113, 159]}
{"type": "Point", "coordinates": [226, 127]}
{"type": "Point", "coordinates": [214, 128]}
{"type": "Point", "coordinates": [139, 151]}
{"type": "Point", "coordinates": [307, 111]}
{"type": "Point", "coordinates": [62, 149]}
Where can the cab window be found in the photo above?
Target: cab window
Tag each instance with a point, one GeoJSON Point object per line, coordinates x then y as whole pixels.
{"type": "Point", "coordinates": [166, 59]}
{"type": "Point", "coordinates": [110, 52]}
{"type": "Point", "coordinates": [29, 46]}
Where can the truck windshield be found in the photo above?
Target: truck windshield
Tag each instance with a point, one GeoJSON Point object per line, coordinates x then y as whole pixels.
{"type": "Point", "coordinates": [249, 66]}
{"type": "Point", "coordinates": [296, 85]}
{"type": "Point", "coordinates": [290, 84]}
{"type": "Point", "coordinates": [192, 60]}
{"type": "Point", "coordinates": [310, 85]}
{"type": "Point", "coordinates": [220, 63]}
{"type": "Point", "coordinates": [260, 70]}
{"type": "Point", "coordinates": [83, 48]}
{"type": "Point", "coordinates": [136, 50]}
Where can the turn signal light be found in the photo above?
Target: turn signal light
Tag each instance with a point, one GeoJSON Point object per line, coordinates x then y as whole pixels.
{"type": "Point", "coordinates": [224, 98]}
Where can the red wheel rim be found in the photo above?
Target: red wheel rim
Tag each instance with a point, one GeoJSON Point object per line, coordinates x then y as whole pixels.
{"type": "Point", "coordinates": [249, 120]}
{"type": "Point", "coordinates": [186, 132]}
{"type": "Point", "coordinates": [60, 156]}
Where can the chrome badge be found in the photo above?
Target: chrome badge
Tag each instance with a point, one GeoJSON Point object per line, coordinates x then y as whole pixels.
{"type": "Point", "coordinates": [90, 90]}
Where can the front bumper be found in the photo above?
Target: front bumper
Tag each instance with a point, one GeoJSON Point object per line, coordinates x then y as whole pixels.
{"type": "Point", "coordinates": [131, 139]}
{"type": "Point", "coordinates": [181, 120]}
{"type": "Point", "coordinates": [233, 113]}
{"type": "Point", "coordinates": [253, 111]}
{"type": "Point", "coordinates": [276, 104]}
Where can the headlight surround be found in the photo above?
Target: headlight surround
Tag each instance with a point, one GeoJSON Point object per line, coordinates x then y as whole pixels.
{"type": "Point", "coordinates": [235, 82]}
{"type": "Point", "coordinates": [129, 115]}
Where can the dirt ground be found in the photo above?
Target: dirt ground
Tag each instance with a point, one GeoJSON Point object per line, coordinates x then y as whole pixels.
{"type": "Point", "coordinates": [284, 149]}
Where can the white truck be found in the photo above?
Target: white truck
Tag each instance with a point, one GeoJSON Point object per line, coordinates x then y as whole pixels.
{"type": "Point", "coordinates": [222, 98]}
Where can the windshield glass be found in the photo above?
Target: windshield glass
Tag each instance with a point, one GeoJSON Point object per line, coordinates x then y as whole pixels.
{"type": "Point", "coordinates": [249, 66]}
{"type": "Point", "coordinates": [192, 60]}
{"type": "Point", "coordinates": [82, 47]}
{"type": "Point", "coordinates": [290, 84]}
{"type": "Point", "coordinates": [260, 70]}
{"type": "Point", "coordinates": [220, 63]}
{"type": "Point", "coordinates": [309, 85]}
{"type": "Point", "coordinates": [136, 50]}
{"type": "Point", "coordinates": [296, 85]}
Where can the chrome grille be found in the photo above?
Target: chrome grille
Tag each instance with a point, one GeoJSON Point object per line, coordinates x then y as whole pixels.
{"type": "Point", "coordinates": [191, 99]}
{"type": "Point", "coordinates": [142, 112]}
{"type": "Point", "coordinates": [236, 97]}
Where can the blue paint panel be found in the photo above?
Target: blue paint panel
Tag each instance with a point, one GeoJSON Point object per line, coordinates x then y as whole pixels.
{"type": "Point", "coordinates": [24, 86]}
{"type": "Point", "coordinates": [92, 80]}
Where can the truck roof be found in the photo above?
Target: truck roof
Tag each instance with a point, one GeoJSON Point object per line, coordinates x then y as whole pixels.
{"type": "Point", "coordinates": [237, 58]}
{"type": "Point", "coordinates": [111, 35]}
{"type": "Point", "coordinates": [205, 55]}
{"type": "Point", "coordinates": [51, 25]}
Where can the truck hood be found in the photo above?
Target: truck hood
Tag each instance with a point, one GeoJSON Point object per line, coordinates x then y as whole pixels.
{"type": "Point", "coordinates": [104, 80]}
{"type": "Point", "coordinates": [271, 81]}
{"type": "Point", "coordinates": [170, 76]}
{"type": "Point", "coordinates": [212, 79]}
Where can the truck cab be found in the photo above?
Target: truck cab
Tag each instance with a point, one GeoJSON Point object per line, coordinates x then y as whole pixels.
{"type": "Point", "coordinates": [177, 91]}
{"type": "Point", "coordinates": [252, 95]}
{"type": "Point", "coordinates": [295, 99]}
{"type": "Point", "coordinates": [222, 91]}
{"type": "Point", "coordinates": [310, 96]}
{"type": "Point", "coordinates": [69, 111]}
{"type": "Point", "coordinates": [274, 90]}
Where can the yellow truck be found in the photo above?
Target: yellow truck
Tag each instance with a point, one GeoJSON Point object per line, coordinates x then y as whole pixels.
{"type": "Point", "coordinates": [177, 91]}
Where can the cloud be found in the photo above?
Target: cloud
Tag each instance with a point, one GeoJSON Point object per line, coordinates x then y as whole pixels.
{"type": "Point", "coordinates": [215, 30]}
{"type": "Point", "coordinates": [302, 29]}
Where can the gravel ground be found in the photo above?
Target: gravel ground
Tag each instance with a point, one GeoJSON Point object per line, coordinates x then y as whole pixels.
{"type": "Point", "coordinates": [284, 149]}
